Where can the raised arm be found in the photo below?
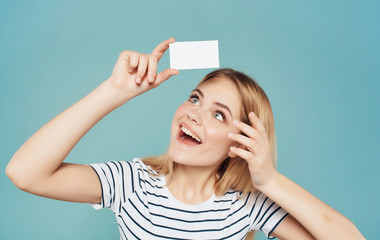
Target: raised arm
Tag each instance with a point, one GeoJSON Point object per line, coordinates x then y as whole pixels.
{"type": "Point", "coordinates": [37, 167]}
{"type": "Point", "coordinates": [309, 217]}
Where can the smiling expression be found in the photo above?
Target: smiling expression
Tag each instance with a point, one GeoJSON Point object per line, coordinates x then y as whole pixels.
{"type": "Point", "coordinates": [201, 124]}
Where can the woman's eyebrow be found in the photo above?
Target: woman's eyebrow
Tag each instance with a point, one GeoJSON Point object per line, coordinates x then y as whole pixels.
{"type": "Point", "coordinates": [224, 106]}
{"type": "Point", "coordinates": [216, 103]}
{"type": "Point", "coordinates": [199, 92]}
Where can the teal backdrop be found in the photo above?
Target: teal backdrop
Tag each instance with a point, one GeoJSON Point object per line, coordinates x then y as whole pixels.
{"type": "Point", "coordinates": [318, 61]}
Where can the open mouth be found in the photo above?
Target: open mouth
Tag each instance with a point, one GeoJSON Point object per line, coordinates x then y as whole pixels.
{"type": "Point", "coordinates": [187, 137]}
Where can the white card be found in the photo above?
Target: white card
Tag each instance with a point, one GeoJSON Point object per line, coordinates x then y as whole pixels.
{"type": "Point", "coordinates": [194, 55]}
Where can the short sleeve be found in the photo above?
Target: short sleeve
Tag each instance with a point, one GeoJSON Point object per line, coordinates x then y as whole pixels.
{"type": "Point", "coordinates": [118, 182]}
{"type": "Point", "coordinates": [264, 214]}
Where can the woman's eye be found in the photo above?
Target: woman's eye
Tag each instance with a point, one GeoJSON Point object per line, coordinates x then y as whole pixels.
{"type": "Point", "coordinates": [219, 116]}
{"type": "Point", "coordinates": [194, 100]}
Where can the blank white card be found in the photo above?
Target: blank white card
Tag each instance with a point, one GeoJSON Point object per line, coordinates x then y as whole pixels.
{"type": "Point", "coordinates": [194, 55]}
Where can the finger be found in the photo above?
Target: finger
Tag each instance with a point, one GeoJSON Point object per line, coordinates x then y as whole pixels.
{"type": "Point", "coordinates": [246, 129]}
{"type": "Point", "coordinates": [165, 75]}
{"type": "Point", "coordinates": [247, 155]}
{"type": "Point", "coordinates": [243, 140]}
{"type": "Point", "coordinates": [133, 61]}
{"type": "Point", "coordinates": [152, 68]}
{"type": "Point", "coordinates": [231, 154]}
{"type": "Point", "coordinates": [141, 69]}
{"type": "Point", "coordinates": [162, 47]}
{"type": "Point", "coordinates": [126, 55]}
{"type": "Point", "coordinates": [256, 122]}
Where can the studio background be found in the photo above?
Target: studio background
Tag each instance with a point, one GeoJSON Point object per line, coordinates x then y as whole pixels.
{"type": "Point", "coordinates": [318, 62]}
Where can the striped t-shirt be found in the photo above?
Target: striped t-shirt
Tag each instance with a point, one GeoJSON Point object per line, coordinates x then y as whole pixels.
{"type": "Point", "coordinates": [145, 209]}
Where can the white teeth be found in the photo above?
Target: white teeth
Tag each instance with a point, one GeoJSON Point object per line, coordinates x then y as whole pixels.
{"type": "Point", "coordinates": [190, 134]}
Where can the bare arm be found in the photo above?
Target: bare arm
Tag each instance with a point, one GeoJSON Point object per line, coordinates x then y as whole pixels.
{"type": "Point", "coordinates": [37, 167]}
{"type": "Point", "coordinates": [310, 218]}
{"type": "Point", "coordinates": [322, 221]}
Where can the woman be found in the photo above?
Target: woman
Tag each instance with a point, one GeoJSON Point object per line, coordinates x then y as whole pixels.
{"type": "Point", "coordinates": [217, 180]}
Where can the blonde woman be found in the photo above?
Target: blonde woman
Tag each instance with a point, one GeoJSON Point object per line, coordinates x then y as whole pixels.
{"type": "Point", "coordinates": [216, 181]}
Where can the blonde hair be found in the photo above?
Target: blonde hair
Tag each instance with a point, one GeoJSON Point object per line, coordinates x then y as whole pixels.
{"type": "Point", "coordinates": [233, 172]}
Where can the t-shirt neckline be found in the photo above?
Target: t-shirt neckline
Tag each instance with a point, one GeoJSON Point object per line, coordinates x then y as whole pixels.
{"type": "Point", "coordinates": [182, 204]}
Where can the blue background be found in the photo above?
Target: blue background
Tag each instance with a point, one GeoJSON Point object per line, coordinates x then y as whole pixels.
{"type": "Point", "coordinates": [318, 61]}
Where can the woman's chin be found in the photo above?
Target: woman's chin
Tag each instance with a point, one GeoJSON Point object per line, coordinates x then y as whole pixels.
{"type": "Point", "coordinates": [180, 157]}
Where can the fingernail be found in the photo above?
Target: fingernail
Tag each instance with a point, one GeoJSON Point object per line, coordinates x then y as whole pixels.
{"type": "Point", "coordinates": [138, 80]}
{"type": "Point", "coordinates": [150, 79]}
{"type": "Point", "coordinates": [235, 121]}
{"type": "Point", "coordinates": [230, 134]}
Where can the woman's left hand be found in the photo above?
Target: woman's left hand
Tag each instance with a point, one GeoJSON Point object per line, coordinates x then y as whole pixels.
{"type": "Point", "coordinates": [309, 218]}
{"type": "Point", "coordinates": [255, 149]}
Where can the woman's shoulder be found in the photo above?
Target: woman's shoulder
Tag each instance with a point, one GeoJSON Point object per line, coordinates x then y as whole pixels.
{"type": "Point", "coordinates": [235, 196]}
{"type": "Point", "coordinates": [138, 162]}
{"type": "Point", "coordinates": [230, 195]}
{"type": "Point", "coordinates": [147, 174]}
{"type": "Point", "coordinates": [122, 167]}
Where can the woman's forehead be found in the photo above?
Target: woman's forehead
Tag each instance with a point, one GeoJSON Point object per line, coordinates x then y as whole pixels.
{"type": "Point", "coordinates": [222, 85]}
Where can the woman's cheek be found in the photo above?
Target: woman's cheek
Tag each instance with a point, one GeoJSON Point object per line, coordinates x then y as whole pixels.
{"type": "Point", "coordinates": [180, 110]}
{"type": "Point", "coordinates": [218, 136]}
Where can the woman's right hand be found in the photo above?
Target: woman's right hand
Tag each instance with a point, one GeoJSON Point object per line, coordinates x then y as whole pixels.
{"type": "Point", "coordinates": [135, 73]}
{"type": "Point", "coordinates": [37, 167]}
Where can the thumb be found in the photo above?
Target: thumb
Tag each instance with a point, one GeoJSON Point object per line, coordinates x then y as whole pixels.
{"type": "Point", "coordinates": [165, 75]}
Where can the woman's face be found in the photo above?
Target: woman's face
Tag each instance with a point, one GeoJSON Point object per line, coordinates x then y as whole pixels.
{"type": "Point", "coordinates": [201, 124]}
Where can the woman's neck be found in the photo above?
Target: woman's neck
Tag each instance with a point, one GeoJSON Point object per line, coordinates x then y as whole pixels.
{"type": "Point", "coordinates": [192, 185]}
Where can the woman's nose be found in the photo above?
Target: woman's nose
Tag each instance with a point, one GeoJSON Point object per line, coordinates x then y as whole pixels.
{"type": "Point", "coordinates": [194, 117]}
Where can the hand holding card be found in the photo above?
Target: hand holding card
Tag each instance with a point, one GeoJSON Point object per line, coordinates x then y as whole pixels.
{"type": "Point", "coordinates": [194, 55]}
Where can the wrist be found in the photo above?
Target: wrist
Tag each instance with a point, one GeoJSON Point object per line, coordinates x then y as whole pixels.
{"type": "Point", "coordinates": [271, 183]}
{"type": "Point", "coordinates": [114, 95]}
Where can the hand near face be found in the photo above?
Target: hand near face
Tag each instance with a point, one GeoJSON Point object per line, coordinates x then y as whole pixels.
{"type": "Point", "coordinates": [255, 149]}
{"type": "Point", "coordinates": [135, 73]}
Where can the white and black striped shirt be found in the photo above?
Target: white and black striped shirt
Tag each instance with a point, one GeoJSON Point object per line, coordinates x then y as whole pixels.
{"type": "Point", "coordinates": [145, 209]}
